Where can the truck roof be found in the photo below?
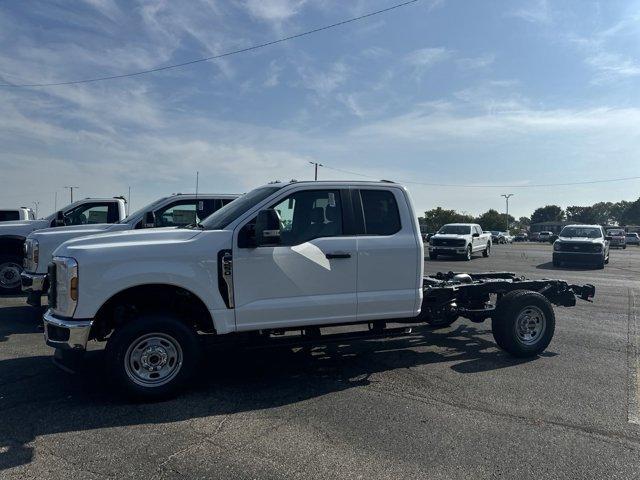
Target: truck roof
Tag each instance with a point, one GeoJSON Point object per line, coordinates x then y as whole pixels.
{"type": "Point", "coordinates": [385, 183]}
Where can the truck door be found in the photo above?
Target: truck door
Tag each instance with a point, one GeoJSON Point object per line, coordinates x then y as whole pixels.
{"type": "Point", "coordinates": [92, 212]}
{"type": "Point", "coordinates": [310, 277]}
{"type": "Point", "coordinates": [478, 242]}
{"type": "Point", "coordinates": [388, 256]}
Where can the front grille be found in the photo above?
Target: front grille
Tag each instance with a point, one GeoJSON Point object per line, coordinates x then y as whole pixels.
{"type": "Point", "coordinates": [52, 295]}
{"type": "Point", "coordinates": [579, 247]}
{"type": "Point", "coordinates": [449, 242]}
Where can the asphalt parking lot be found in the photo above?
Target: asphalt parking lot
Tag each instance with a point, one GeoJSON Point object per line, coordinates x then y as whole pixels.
{"type": "Point", "coordinates": [434, 404]}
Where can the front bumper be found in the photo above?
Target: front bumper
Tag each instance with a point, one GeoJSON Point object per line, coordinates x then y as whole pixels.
{"type": "Point", "coordinates": [589, 258]}
{"type": "Point", "coordinates": [437, 250]}
{"type": "Point", "coordinates": [66, 334]}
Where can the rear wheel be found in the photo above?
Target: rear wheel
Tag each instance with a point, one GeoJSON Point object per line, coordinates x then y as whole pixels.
{"type": "Point", "coordinates": [523, 323]}
{"type": "Point", "coordinates": [153, 356]}
{"type": "Point", "coordinates": [10, 270]}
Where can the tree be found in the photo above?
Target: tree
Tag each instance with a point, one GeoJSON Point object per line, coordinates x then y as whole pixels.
{"type": "Point", "coordinates": [494, 220]}
{"type": "Point", "coordinates": [550, 213]}
{"type": "Point", "coordinates": [437, 217]}
{"type": "Point", "coordinates": [631, 214]}
{"type": "Point", "coordinates": [585, 215]}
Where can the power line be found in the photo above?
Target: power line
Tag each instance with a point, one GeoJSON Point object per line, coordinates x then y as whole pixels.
{"type": "Point", "coordinates": [213, 57]}
{"type": "Point", "coordinates": [457, 185]}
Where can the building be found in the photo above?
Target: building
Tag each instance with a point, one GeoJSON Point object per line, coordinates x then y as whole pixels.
{"type": "Point", "coordinates": [554, 227]}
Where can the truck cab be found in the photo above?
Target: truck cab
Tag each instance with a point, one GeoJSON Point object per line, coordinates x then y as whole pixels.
{"type": "Point", "coordinates": [14, 233]}
{"type": "Point", "coordinates": [460, 239]}
{"type": "Point", "coordinates": [176, 210]}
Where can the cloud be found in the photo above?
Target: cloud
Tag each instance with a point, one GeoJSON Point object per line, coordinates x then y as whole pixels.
{"type": "Point", "coordinates": [273, 10]}
{"type": "Point", "coordinates": [535, 12]}
{"type": "Point", "coordinates": [612, 66]}
{"type": "Point", "coordinates": [273, 74]}
{"type": "Point", "coordinates": [472, 63]}
{"type": "Point", "coordinates": [324, 82]}
{"type": "Point", "coordinates": [424, 58]}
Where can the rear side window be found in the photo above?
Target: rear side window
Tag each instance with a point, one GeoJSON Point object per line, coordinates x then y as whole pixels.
{"type": "Point", "coordinates": [381, 215]}
{"type": "Point", "coordinates": [7, 215]}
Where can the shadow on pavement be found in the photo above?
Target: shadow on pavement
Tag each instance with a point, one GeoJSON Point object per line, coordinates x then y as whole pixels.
{"type": "Point", "coordinates": [19, 320]}
{"type": "Point", "coordinates": [39, 399]}
{"type": "Point", "coordinates": [566, 267]}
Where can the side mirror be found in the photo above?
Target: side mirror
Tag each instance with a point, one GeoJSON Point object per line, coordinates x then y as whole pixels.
{"type": "Point", "coordinates": [59, 219]}
{"type": "Point", "coordinates": [149, 220]}
{"type": "Point", "coordinates": [267, 228]}
{"type": "Point", "coordinates": [476, 235]}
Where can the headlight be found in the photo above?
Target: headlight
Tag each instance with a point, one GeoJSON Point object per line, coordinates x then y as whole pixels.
{"type": "Point", "coordinates": [556, 246]}
{"type": "Point", "coordinates": [31, 254]}
{"type": "Point", "coordinates": [66, 286]}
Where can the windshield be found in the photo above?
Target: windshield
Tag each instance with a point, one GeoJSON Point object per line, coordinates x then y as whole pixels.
{"type": "Point", "coordinates": [455, 230]}
{"type": "Point", "coordinates": [146, 208]}
{"type": "Point", "coordinates": [588, 232]}
{"type": "Point", "coordinates": [233, 210]}
{"type": "Point", "coordinates": [616, 232]}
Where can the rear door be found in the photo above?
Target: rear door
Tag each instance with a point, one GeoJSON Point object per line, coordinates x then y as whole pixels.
{"type": "Point", "coordinates": [310, 277]}
{"type": "Point", "coordinates": [388, 255]}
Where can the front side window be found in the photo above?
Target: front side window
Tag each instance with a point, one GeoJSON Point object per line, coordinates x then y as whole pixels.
{"type": "Point", "coordinates": [87, 214]}
{"type": "Point", "coordinates": [176, 215]}
{"type": "Point", "coordinates": [381, 215]}
{"type": "Point", "coordinates": [309, 214]}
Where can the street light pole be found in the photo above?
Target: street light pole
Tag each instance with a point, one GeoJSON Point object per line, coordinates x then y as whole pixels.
{"type": "Point", "coordinates": [71, 191]}
{"type": "Point", "coordinates": [316, 164]}
{"type": "Point", "coordinates": [506, 197]}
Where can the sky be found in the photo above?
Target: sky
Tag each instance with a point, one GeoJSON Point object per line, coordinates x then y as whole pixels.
{"type": "Point", "coordinates": [455, 92]}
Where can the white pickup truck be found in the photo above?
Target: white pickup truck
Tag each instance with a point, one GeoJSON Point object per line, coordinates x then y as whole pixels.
{"type": "Point", "coordinates": [173, 211]}
{"type": "Point", "coordinates": [16, 214]}
{"type": "Point", "coordinates": [13, 234]}
{"type": "Point", "coordinates": [462, 239]}
{"type": "Point", "coordinates": [284, 257]}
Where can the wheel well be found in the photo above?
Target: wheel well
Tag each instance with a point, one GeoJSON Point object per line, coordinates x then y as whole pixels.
{"type": "Point", "coordinates": [12, 246]}
{"type": "Point", "coordinates": [126, 305]}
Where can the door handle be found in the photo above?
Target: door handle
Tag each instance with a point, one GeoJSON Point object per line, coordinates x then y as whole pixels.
{"type": "Point", "coordinates": [338, 255]}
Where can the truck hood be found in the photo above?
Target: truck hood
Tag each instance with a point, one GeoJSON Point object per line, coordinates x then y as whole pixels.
{"type": "Point", "coordinates": [450, 235]}
{"type": "Point", "coordinates": [21, 228]}
{"type": "Point", "coordinates": [130, 238]}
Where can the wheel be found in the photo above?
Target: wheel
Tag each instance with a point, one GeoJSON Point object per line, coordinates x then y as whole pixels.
{"type": "Point", "coordinates": [487, 251]}
{"type": "Point", "coordinates": [10, 270]}
{"type": "Point", "coordinates": [433, 256]}
{"type": "Point", "coordinates": [153, 356]}
{"type": "Point", "coordinates": [523, 323]}
{"type": "Point", "coordinates": [468, 254]}
{"type": "Point", "coordinates": [556, 263]}
{"type": "Point", "coordinates": [624, 247]}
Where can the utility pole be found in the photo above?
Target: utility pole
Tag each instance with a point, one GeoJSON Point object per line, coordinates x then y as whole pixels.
{"type": "Point", "coordinates": [71, 191]}
{"type": "Point", "coordinates": [506, 197]}
{"type": "Point", "coordinates": [316, 165]}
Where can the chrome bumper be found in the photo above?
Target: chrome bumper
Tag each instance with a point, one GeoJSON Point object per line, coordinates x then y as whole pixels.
{"type": "Point", "coordinates": [33, 282]}
{"type": "Point", "coordinates": [65, 333]}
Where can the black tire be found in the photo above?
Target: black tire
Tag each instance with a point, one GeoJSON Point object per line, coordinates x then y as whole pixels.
{"type": "Point", "coordinates": [523, 306]}
{"type": "Point", "coordinates": [624, 247]}
{"type": "Point", "coordinates": [10, 269]}
{"type": "Point", "coordinates": [469, 254]}
{"type": "Point", "coordinates": [121, 353]}
{"type": "Point", "coordinates": [487, 251]}
{"type": "Point", "coordinates": [433, 256]}
{"type": "Point", "coordinates": [557, 263]}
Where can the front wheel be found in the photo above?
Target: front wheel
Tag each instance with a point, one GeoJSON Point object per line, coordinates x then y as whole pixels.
{"type": "Point", "coordinates": [487, 251]}
{"type": "Point", "coordinates": [523, 323]}
{"type": "Point", "coordinates": [468, 253]}
{"type": "Point", "coordinates": [10, 270]}
{"type": "Point", "coordinates": [153, 356]}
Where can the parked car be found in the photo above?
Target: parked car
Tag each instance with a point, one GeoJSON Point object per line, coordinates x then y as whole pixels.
{"type": "Point", "coordinates": [544, 237]}
{"type": "Point", "coordinates": [632, 238]}
{"type": "Point", "coordinates": [508, 238]}
{"type": "Point", "coordinates": [521, 237]}
{"type": "Point", "coordinates": [496, 236]}
{"type": "Point", "coordinates": [16, 214]}
{"type": "Point", "coordinates": [618, 238]}
{"type": "Point", "coordinates": [13, 234]}
{"type": "Point", "coordinates": [462, 239]}
{"type": "Point", "coordinates": [582, 245]}
{"type": "Point", "coordinates": [174, 211]}
{"type": "Point", "coordinates": [283, 257]}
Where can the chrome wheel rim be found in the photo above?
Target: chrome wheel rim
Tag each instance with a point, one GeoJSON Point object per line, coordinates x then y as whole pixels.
{"type": "Point", "coordinates": [10, 275]}
{"type": "Point", "coordinates": [469, 252]}
{"type": "Point", "coordinates": [153, 360]}
{"type": "Point", "coordinates": [531, 324]}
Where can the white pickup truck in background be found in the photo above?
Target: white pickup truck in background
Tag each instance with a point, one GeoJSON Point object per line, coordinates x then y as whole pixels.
{"type": "Point", "coordinates": [16, 214]}
{"type": "Point", "coordinates": [173, 211]}
{"type": "Point", "coordinates": [13, 234]}
{"type": "Point", "coordinates": [463, 239]}
{"type": "Point", "coordinates": [284, 257]}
